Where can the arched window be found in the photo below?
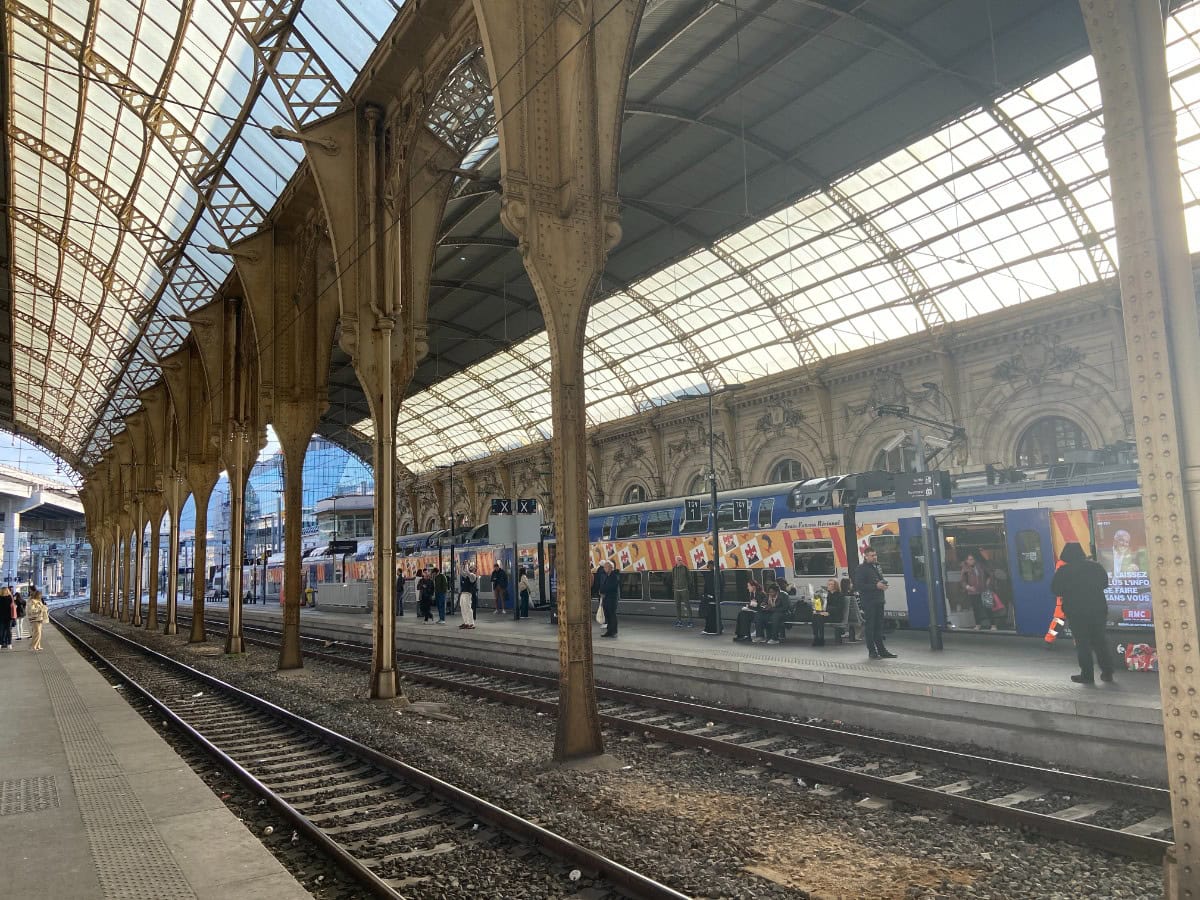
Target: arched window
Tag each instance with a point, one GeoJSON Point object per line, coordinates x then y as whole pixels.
{"type": "Point", "coordinates": [899, 459]}
{"type": "Point", "coordinates": [431, 525]}
{"type": "Point", "coordinates": [635, 494]}
{"type": "Point", "coordinates": [1047, 441]}
{"type": "Point", "coordinates": [698, 484]}
{"type": "Point", "coordinates": [786, 470]}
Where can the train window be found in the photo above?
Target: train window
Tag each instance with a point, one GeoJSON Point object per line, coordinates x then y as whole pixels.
{"type": "Point", "coordinates": [766, 512]}
{"type": "Point", "coordinates": [725, 517]}
{"type": "Point", "coordinates": [1030, 565]}
{"type": "Point", "coordinates": [916, 550]}
{"type": "Point", "coordinates": [888, 548]}
{"type": "Point", "coordinates": [813, 558]}
{"type": "Point", "coordinates": [627, 526]}
{"type": "Point", "coordinates": [631, 585]}
{"type": "Point", "coordinates": [695, 526]}
{"type": "Point", "coordinates": [658, 522]}
{"type": "Point", "coordinates": [659, 589]}
{"type": "Point", "coordinates": [606, 531]}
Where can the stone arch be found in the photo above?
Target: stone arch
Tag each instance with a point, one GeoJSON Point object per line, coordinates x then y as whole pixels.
{"type": "Point", "coordinates": [630, 484]}
{"type": "Point", "coordinates": [804, 447]}
{"type": "Point", "coordinates": [1008, 409]}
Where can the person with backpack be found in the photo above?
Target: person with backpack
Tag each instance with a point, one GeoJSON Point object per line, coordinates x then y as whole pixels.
{"type": "Point", "coordinates": [19, 619]}
{"type": "Point", "coordinates": [37, 613]}
{"type": "Point", "coordinates": [1081, 583]}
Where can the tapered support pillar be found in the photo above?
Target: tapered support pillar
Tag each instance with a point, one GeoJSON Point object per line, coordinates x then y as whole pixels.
{"type": "Point", "coordinates": [200, 494]}
{"type": "Point", "coordinates": [559, 72]}
{"type": "Point", "coordinates": [94, 576]}
{"type": "Point", "coordinates": [126, 565]}
{"type": "Point", "coordinates": [1163, 342]}
{"type": "Point", "coordinates": [152, 572]}
{"type": "Point", "coordinates": [294, 452]}
{"type": "Point", "coordinates": [237, 471]}
{"type": "Point", "coordinates": [172, 626]}
{"type": "Point", "coordinates": [384, 681]}
{"type": "Point", "coordinates": [139, 540]}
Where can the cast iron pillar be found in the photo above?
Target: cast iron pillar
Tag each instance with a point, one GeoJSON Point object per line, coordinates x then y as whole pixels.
{"type": "Point", "coordinates": [1163, 342]}
{"type": "Point", "coordinates": [560, 72]}
{"type": "Point", "coordinates": [155, 508]}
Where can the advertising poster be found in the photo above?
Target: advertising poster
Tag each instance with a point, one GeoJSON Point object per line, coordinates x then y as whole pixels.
{"type": "Point", "coordinates": [1120, 545]}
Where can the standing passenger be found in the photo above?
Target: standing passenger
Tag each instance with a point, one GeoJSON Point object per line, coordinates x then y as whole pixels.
{"type": "Point", "coordinates": [1081, 583]}
{"type": "Point", "coordinates": [19, 620]}
{"type": "Point", "coordinates": [500, 588]}
{"type": "Point", "coordinates": [681, 588]}
{"type": "Point", "coordinates": [521, 607]}
{"type": "Point", "coordinates": [610, 593]}
{"type": "Point", "coordinates": [709, 608]}
{"type": "Point", "coordinates": [399, 592]}
{"type": "Point", "coordinates": [440, 585]}
{"type": "Point", "coordinates": [975, 582]}
{"type": "Point", "coordinates": [869, 581]}
{"type": "Point", "coordinates": [425, 592]}
{"type": "Point", "coordinates": [37, 616]}
{"type": "Point", "coordinates": [468, 597]}
{"type": "Point", "coordinates": [8, 617]}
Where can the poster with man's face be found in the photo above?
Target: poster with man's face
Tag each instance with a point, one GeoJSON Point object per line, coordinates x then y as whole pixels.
{"type": "Point", "coordinates": [1120, 541]}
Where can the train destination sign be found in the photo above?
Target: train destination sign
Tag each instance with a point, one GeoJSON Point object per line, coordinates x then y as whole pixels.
{"type": "Point", "coordinates": [341, 548]}
{"type": "Point", "coordinates": [922, 486]}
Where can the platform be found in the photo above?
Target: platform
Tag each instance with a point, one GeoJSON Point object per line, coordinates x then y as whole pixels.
{"type": "Point", "coordinates": [999, 692]}
{"type": "Point", "coordinates": [96, 805]}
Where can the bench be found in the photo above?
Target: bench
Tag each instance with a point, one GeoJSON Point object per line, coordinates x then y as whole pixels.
{"type": "Point", "coordinates": [800, 614]}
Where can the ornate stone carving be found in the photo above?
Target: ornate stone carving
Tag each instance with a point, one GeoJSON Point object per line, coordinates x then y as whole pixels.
{"type": "Point", "coordinates": [779, 418]}
{"type": "Point", "coordinates": [1039, 356]}
{"type": "Point", "coordinates": [888, 389]}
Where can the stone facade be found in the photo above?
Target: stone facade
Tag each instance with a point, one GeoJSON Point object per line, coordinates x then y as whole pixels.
{"type": "Point", "coordinates": [994, 376]}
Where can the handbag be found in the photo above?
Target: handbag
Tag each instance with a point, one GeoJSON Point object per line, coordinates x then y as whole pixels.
{"type": "Point", "coordinates": [992, 600]}
{"type": "Point", "coordinates": [600, 620]}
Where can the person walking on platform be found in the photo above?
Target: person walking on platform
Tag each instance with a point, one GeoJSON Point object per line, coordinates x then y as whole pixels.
{"type": "Point", "coordinates": [1081, 583]}
{"type": "Point", "coordinates": [425, 593]}
{"type": "Point", "coordinates": [708, 606]}
{"type": "Point", "coordinates": [468, 596]}
{"type": "Point", "coordinates": [521, 605]}
{"type": "Point", "coordinates": [8, 617]}
{"type": "Point", "coordinates": [399, 592]}
{"type": "Point", "coordinates": [610, 593]}
{"type": "Point", "coordinates": [37, 613]}
{"type": "Point", "coordinates": [19, 620]}
{"type": "Point", "coordinates": [870, 583]}
{"type": "Point", "coordinates": [681, 588]}
{"type": "Point", "coordinates": [441, 584]}
{"type": "Point", "coordinates": [500, 588]}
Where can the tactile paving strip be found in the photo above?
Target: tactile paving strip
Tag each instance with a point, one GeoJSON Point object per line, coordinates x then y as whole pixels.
{"type": "Point", "coordinates": [130, 857]}
{"type": "Point", "coordinates": [26, 795]}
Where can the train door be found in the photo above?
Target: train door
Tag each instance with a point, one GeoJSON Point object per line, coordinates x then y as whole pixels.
{"type": "Point", "coordinates": [1032, 568]}
{"type": "Point", "coordinates": [916, 576]}
{"type": "Point", "coordinates": [985, 538]}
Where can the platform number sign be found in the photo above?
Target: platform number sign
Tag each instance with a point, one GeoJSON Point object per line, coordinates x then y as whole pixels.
{"type": "Point", "coordinates": [502, 506]}
{"type": "Point", "coordinates": [526, 506]}
{"type": "Point", "coordinates": [691, 510]}
{"type": "Point", "coordinates": [741, 510]}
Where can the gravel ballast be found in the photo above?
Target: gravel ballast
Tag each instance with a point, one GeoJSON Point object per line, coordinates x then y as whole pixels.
{"type": "Point", "coordinates": [679, 816]}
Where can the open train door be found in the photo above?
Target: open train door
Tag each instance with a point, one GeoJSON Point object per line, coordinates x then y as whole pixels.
{"type": "Point", "coordinates": [1031, 561]}
{"type": "Point", "coordinates": [916, 576]}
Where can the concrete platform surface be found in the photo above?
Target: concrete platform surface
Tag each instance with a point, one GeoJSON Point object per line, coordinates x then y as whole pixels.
{"type": "Point", "coordinates": [96, 805]}
{"type": "Point", "coordinates": [997, 691]}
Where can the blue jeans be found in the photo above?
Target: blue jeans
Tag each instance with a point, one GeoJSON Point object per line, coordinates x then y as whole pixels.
{"type": "Point", "coordinates": [441, 605]}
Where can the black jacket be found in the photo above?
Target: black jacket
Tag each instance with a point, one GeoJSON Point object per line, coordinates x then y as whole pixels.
{"type": "Point", "coordinates": [610, 585]}
{"type": "Point", "coordinates": [866, 576]}
{"type": "Point", "coordinates": [1081, 585]}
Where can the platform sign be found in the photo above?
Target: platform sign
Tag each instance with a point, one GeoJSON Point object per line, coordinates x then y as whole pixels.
{"type": "Point", "coordinates": [502, 506]}
{"type": "Point", "coordinates": [914, 486]}
{"type": "Point", "coordinates": [527, 506]}
{"type": "Point", "coordinates": [691, 510]}
{"type": "Point", "coordinates": [741, 510]}
{"type": "Point", "coordinates": [341, 548]}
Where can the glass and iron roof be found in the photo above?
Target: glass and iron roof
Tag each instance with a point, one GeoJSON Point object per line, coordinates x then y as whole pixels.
{"type": "Point", "coordinates": [1006, 204]}
{"type": "Point", "coordinates": [138, 135]}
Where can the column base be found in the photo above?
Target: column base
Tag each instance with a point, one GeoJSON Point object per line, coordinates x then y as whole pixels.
{"type": "Point", "coordinates": [234, 644]}
{"type": "Point", "coordinates": [171, 628]}
{"type": "Point", "coordinates": [384, 685]}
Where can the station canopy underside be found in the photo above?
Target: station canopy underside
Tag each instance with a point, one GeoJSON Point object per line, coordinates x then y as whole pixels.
{"type": "Point", "coordinates": [799, 180]}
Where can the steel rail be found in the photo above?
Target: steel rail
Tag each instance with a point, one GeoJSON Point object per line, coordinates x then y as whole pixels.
{"type": "Point", "coordinates": [634, 884]}
{"type": "Point", "coordinates": [1108, 839]}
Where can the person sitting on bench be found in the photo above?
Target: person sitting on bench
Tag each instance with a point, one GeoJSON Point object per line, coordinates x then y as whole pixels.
{"type": "Point", "coordinates": [756, 599]}
{"type": "Point", "coordinates": [770, 617]}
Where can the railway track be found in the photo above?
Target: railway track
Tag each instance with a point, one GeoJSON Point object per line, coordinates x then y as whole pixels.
{"type": "Point", "coordinates": [387, 824]}
{"type": "Point", "coordinates": [1120, 817]}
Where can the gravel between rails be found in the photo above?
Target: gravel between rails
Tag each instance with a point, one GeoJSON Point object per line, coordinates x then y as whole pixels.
{"type": "Point", "coordinates": [682, 817]}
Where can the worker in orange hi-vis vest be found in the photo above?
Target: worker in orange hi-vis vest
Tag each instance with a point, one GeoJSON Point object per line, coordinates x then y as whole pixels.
{"type": "Point", "coordinates": [1058, 622]}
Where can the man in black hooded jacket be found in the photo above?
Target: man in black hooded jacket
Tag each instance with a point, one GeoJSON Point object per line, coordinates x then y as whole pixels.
{"type": "Point", "coordinates": [1081, 583]}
